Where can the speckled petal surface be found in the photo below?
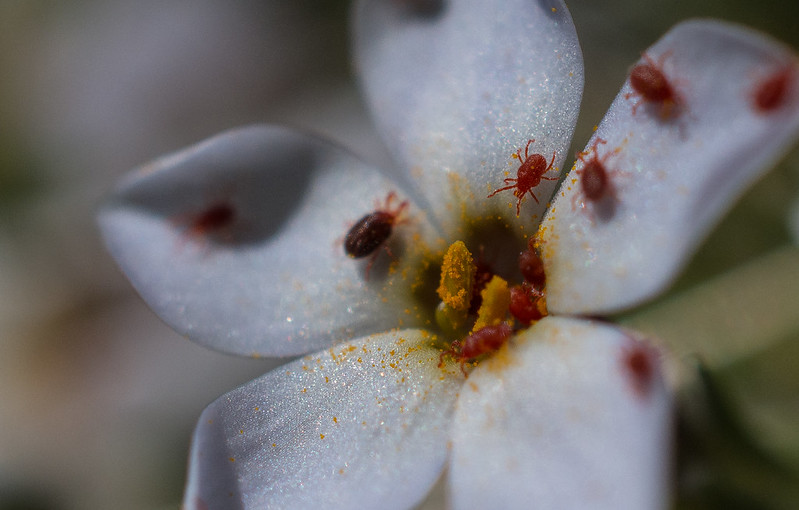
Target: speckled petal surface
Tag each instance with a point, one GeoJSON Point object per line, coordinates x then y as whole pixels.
{"type": "Point", "coordinates": [362, 425]}
{"type": "Point", "coordinates": [573, 414]}
{"type": "Point", "coordinates": [237, 242]}
{"type": "Point", "coordinates": [674, 169]}
{"type": "Point", "coordinates": [457, 87]}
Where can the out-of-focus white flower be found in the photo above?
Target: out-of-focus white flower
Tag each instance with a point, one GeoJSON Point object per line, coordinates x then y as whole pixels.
{"type": "Point", "coordinates": [237, 242]}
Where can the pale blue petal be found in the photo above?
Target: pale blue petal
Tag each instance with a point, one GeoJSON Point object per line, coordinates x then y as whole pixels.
{"type": "Point", "coordinates": [673, 176]}
{"type": "Point", "coordinates": [362, 425]}
{"type": "Point", "coordinates": [456, 90]}
{"type": "Point", "coordinates": [273, 279]}
{"type": "Point", "coordinates": [574, 414]}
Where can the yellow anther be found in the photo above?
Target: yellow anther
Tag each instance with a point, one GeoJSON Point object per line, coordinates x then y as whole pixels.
{"type": "Point", "coordinates": [457, 277]}
{"type": "Point", "coordinates": [495, 305]}
{"type": "Point", "coordinates": [452, 322]}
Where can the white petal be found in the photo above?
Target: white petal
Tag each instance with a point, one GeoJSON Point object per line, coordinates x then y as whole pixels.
{"type": "Point", "coordinates": [362, 425]}
{"type": "Point", "coordinates": [574, 414]}
{"type": "Point", "coordinates": [672, 177]}
{"type": "Point", "coordinates": [457, 90]}
{"type": "Point", "coordinates": [271, 278]}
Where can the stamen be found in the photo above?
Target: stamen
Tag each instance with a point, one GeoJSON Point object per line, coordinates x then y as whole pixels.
{"type": "Point", "coordinates": [496, 302]}
{"type": "Point", "coordinates": [457, 279]}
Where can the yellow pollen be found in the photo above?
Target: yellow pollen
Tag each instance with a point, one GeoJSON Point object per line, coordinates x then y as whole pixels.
{"type": "Point", "coordinates": [457, 277]}
{"type": "Point", "coordinates": [457, 280]}
{"type": "Point", "coordinates": [495, 305]}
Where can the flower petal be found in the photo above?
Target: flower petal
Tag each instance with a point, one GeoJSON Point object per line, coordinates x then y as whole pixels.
{"type": "Point", "coordinates": [459, 87]}
{"type": "Point", "coordinates": [674, 169]}
{"type": "Point", "coordinates": [574, 414]}
{"type": "Point", "coordinates": [362, 425]}
{"type": "Point", "coordinates": [237, 242]}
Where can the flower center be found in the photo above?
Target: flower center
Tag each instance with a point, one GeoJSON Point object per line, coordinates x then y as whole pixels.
{"type": "Point", "coordinates": [479, 309]}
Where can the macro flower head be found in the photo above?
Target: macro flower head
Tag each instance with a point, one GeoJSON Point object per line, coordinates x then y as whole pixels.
{"type": "Point", "coordinates": [430, 345]}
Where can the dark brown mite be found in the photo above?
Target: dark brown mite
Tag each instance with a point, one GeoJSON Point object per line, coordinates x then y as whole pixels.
{"type": "Point", "coordinates": [369, 233]}
{"type": "Point", "coordinates": [373, 230]}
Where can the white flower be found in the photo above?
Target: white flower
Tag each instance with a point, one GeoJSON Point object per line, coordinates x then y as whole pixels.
{"type": "Point", "coordinates": [237, 243]}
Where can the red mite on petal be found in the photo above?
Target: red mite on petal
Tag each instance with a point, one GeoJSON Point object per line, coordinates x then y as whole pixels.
{"type": "Point", "coordinates": [528, 176]}
{"type": "Point", "coordinates": [217, 216]}
{"type": "Point", "coordinates": [526, 300]}
{"type": "Point", "coordinates": [651, 85]}
{"type": "Point", "coordinates": [210, 221]}
{"type": "Point", "coordinates": [594, 181]}
{"type": "Point", "coordinates": [482, 341]}
{"type": "Point", "coordinates": [773, 91]}
{"type": "Point", "coordinates": [640, 364]}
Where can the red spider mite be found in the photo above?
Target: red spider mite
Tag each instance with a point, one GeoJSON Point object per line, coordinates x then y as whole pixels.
{"type": "Point", "coordinates": [532, 267]}
{"type": "Point", "coordinates": [211, 220]}
{"type": "Point", "coordinates": [482, 341]}
{"type": "Point", "coordinates": [639, 361]}
{"type": "Point", "coordinates": [529, 175]}
{"type": "Point", "coordinates": [371, 231]}
{"type": "Point", "coordinates": [524, 303]}
{"type": "Point", "coordinates": [651, 85]}
{"type": "Point", "coordinates": [594, 181]}
{"type": "Point", "coordinates": [771, 92]}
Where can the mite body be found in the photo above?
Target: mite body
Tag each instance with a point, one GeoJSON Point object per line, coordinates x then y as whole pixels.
{"type": "Point", "coordinates": [594, 181]}
{"type": "Point", "coordinates": [368, 234]}
{"type": "Point", "coordinates": [213, 221]}
{"type": "Point", "coordinates": [651, 85]}
{"type": "Point", "coordinates": [773, 91]}
{"type": "Point", "coordinates": [532, 267]}
{"type": "Point", "coordinates": [371, 231]}
{"type": "Point", "coordinates": [215, 217]}
{"type": "Point", "coordinates": [640, 363]}
{"type": "Point", "coordinates": [482, 341]}
{"type": "Point", "coordinates": [525, 303]}
{"type": "Point", "coordinates": [528, 176]}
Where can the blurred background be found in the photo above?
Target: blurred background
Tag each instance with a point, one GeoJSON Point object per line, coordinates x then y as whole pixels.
{"type": "Point", "coordinates": [98, 398]}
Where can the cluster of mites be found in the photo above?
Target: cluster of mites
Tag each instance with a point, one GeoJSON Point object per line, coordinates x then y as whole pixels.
{"type": "Point", "coordinates": [371, 231]}
{"type": "Point", "coordinates": [650, 86]}
{"type": "Point", "coordinates": [524, 306]}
